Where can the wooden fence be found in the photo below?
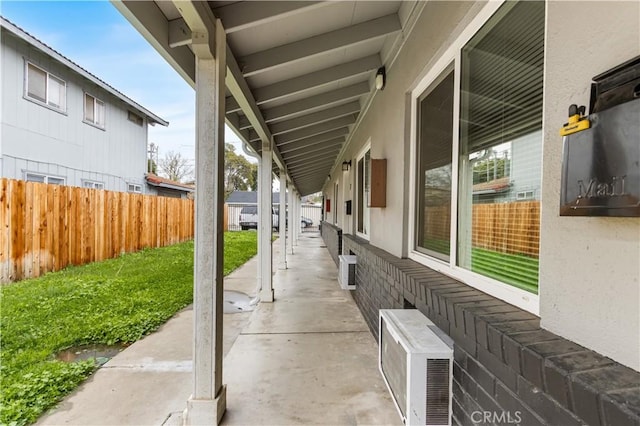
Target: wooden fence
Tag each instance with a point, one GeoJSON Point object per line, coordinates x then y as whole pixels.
{"type": "Point", "coordinates": [489, 228]}
{"type": "Point", "coordinates": [48, 227]}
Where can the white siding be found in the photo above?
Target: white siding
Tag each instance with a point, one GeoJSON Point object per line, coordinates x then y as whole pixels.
{"type": "Point", "coordinates": [40, 139]}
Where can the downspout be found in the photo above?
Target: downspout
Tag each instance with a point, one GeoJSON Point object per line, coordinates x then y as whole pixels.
{"type": "Point", "coordinates": [255, 155]}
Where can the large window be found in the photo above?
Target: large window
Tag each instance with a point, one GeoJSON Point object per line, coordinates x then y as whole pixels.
{"type": "Point", "coordinates": [45, 88]}
{"type": "Point", "coordinates": [363, 187]}
{"type": "Point", "coordinates": [93, 111]}
{"type": "Point", "coordinates": [478, 150]}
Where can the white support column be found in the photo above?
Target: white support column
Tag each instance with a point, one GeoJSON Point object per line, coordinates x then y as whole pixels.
{"type": "Point", "coordinates": [292, 221]}
{"type": "Point", "coordinates": [207, 404]}
{"type": "Point", "coordinates": [299, 224]}
{"type": "Point", "coordinates": [296, 226]}
{"type": "Point", "coordinates": [282, 220]}
{"type": "Point", "coordinates": [265, 217]}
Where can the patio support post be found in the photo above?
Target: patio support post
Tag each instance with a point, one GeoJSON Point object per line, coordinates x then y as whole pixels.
{"type": "Point", "coordinates": [282, 220]}
{"type": "Point", "coordinates": [291, 219]}
{"type": "Point", "coordinates": [299, 214]}
{"type": "Point", "coordinates": [207, 404]}
{"type": "Point", "coordinates": [296, 227]}
{"type": "Point", "coordinates": [265, 217]}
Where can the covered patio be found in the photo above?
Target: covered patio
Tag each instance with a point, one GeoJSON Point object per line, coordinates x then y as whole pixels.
{"type": "Point", "coordinates": [356, 99]}
{"type": "Point", "coordinates": [293, 96]}
{"type": "Point", "coordinates": [307, 359]}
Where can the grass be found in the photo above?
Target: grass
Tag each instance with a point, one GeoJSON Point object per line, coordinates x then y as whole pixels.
{"type": "Point", "coordinates": [115, 301]}
{"type": "Point", "coordinates": [518, 270]}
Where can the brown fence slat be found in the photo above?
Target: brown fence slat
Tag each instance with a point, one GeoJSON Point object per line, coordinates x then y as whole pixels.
{"type": "Point", "coordinates": [48, 227]}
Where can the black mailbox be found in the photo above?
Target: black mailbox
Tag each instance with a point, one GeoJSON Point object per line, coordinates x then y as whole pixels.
{"type": "Point", "coordinates": [601, 165]}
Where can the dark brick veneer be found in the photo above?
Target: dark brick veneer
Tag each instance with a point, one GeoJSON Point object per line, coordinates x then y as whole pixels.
{"type": "Point", "coordinates": [332, 237]}
{"type": "Point", "coordinates": [504, 362]}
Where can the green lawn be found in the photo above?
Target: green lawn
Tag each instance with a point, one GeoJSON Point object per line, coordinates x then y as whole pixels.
{"type": "Point", "coordinates": [115, 301]}
{"type": "Point", "coordinates": [518, 270]}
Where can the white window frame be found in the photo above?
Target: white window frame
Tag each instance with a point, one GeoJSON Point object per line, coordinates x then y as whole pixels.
{"type": "Point", "coordinates": [137, 188]}
{"type": "Point", "coordinates": [45, 176]}
{"type": "Point", "coordinates": [92, 184]}
{"type": "Point", "coordinates": [48, 75]}
{"type": "Point", "coordinates": [525, 195]}
{"type": "Point", "coordinates": [96, 101]}
{"type": "Point", "coordinates": [510, 294]}
{"type": "Point", "coordinates": [365, 203]}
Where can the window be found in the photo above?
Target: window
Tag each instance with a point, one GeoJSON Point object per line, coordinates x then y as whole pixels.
{"type": "Point", "coordinates": [434, 167]}
{"type": "Point", "coordinates": [477, 154]}
{"type": "Point", "coordinates": [525, 195]}
{"type": "Point", "coordinates": [42, 178]}
{"type": "Point", "coordinates": [363, 187]}
{"type": "Point", "coordinates": [133, 187]}
{"type": "Point", "coordinates": [92, 184]}
{"type": "Point", "coordinates": [93, 111]}
{"type": "Point", "coordinates": [45, 88]}
{"type": "Point", "coordinates": [135, 118]}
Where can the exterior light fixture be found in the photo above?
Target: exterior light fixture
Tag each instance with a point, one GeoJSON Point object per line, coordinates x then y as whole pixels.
{"type": "Point", "coordinates": [346, 165]}
{"type": "Point", "coordinates": [381, 78]}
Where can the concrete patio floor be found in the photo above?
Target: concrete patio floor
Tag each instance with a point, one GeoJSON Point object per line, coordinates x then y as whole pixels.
{"type": "Point", "coordinates": [307, 358]}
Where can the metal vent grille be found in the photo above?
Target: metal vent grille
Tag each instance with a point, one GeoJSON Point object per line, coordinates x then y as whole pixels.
{"type": "Point", "coordinates": [352, 274]}
{"type": "Point", "coordinates": [437, 392]}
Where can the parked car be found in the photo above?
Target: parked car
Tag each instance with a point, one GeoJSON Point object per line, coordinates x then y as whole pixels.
{"type": "Point", "coordinates": [249, 218]}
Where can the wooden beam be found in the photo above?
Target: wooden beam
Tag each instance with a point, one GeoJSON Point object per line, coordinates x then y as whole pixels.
{"type": "Point", "coordinates": [315, 79]}
{"type": "Point", "coordinates": [282, 55]}
{"type": "Point", "coordinates": [311, 150]}
{"type": "Point", "coordinates": [241, 15]}
{"type": "Point", "coordinates": [179, 33]}
{"type": "Point", "coordinates": [317, 102]}
{"type": "Point", "coordinates": [316, 129]}
{"type": "Point", "coordinates": [334, 136]}
{"type": "Point", "coordinates": [315, 118]}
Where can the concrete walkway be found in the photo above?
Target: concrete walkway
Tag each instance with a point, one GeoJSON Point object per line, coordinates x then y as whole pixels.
{"type": "Point", "coordinates": [307, 358]}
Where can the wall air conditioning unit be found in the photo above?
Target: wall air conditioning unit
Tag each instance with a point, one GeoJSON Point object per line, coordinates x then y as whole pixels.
{"type": "Point", "coordinates": [347, 273]}
{"type": "Point", "coordinates": [416, 362]}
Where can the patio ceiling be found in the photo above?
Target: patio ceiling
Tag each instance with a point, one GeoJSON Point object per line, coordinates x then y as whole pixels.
{"type": "Point", "coordinates": [298, 71]}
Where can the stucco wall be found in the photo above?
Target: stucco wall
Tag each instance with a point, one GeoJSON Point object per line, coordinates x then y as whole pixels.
{"type": "Point", "coordinates": [589, 267]}
{"type": "Point", "coordinates": [384, 122]}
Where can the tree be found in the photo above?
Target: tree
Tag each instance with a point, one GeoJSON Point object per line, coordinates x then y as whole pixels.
{"type": "Point", "coordinates": [175, 167]}
{"type": "Point", "coordinates": [239, 173]}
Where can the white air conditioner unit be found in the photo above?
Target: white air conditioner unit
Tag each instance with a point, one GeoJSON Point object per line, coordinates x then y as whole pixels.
{"type": "Point", "coordinates": [416, 362]}
{"type": "Point", "coordinates": [347, 275]}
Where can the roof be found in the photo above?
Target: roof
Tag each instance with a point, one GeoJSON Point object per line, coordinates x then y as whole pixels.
{"type": "Point", "coordinates": [493, 186]}
{"type": "Point", "coordinates": [250, 197]}
{"type": "Point", "coordinates": [33, 41]}
{"type": "Point", "coordinates": [306, 85]}
{"type": "Point", "coordinates": [161, 182]}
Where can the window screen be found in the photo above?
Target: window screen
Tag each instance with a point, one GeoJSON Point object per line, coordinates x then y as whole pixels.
{"type": "Point", "coordinates": [36, 83]}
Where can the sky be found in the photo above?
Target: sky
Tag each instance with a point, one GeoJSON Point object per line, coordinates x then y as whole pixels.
{"type": "Point", "coordinates": [97, 37]}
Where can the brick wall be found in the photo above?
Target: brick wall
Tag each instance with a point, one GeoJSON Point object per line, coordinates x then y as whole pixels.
{"type": "Point", "coordinates": [505, 364]}
{"type": "Point", "coordinates": [332, 237]}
